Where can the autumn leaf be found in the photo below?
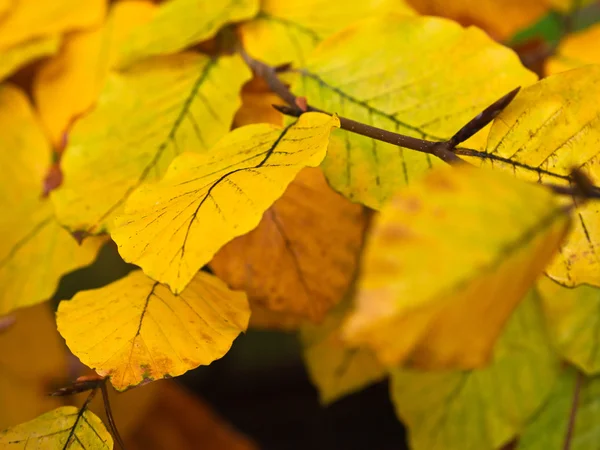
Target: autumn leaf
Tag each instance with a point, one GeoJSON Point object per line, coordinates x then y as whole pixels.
{"type": "Point", "coordinates": [286, 32]}
{"type": "Point", "coordinates": [257, 101]}
{"type": "Point", "coordinates": [65, 427]}
{"type": "Point", "coordinates": [485, 408]}
{"type": "Point", "coordinates": [335, 369]}
{"type": "Point", "coordinates": [499, 18]}
{"type": "Point", "coordinates": [172, 228]}
{"type": "Point", "coordinates": [428, 78]}
{"type": "Point", "coordinates": [18, 55]}
{"type": "Point", "coordinates": [179, 23]}
{"type": "Point", "coordinates": [484, 239]}
{"type": "Point", "coordinates": [548, 428]}
{"type": "Point", "coordinates": [32, 358]}
{"type": "Point", "coordinates": [573, 322]}
{"type": "Point", "coordinates": [546, 131]}
{"type": "Point", "coordinates": [30, 233]}
{"type": "Point", "coordinates": [145, 117]}
{"type": "Point", "coordinates": [303, 255]}
{"type": "Point", "coordinates": [69, 84]}
{"type": "Point", "coordinates": [136, 331]}
{"type": "Point", "coordinates": [575, 50]}
{"type": "Point", "coordinates": [26, 20]}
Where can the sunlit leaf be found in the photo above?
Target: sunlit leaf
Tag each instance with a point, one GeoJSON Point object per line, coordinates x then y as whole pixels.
{"type": "Point", "coordinates": [427, 79]}
{"type": "Point", "coordinates": [145, 117]}
{"type": "Point", "coordinates": [485, 408]}
{"type": "Point", "coordinates": [136, 331]}
{"type": "Point", "coordinates": [34, 250]}
{"type": "Point", "coordinates": [547, 130]}
{"type": "Point", "coordinates": [69, 84]}
{"type": "Point", "coordinates": [174, 227]}
{"type": "Point", "coordinates": [548, 428]}
{"type": "Point", "coordinates": [499, 18]}
{"type": "Point", "coordinates": [573, 322]}
{"type": "Point", "coordinates": [335, 369]}
{"type": "Point", "coordinates": [63, 428]}
{"type": "Point", "coordinates": [32, 359]}
{"type": "Point", "coordinates": [179, 23]}
{"type": "Point", "coordinates": [575, 50]}
{"type": "Point", "coordinates": [449, 259]}
{"type": "Point", "coordinates": [28, 19]}
{"type": "Point", "coordinates": [286, 32]}
{"type": "Point", "coordinates": [18, 55]}
{"type": "Point", "coordinates": [303, 254]}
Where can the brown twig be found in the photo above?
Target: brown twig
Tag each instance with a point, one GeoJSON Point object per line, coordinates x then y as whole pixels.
{"type": "Point", "coordinates": [573, 414]}
{"type": "Point", "coordinates": [111, 421]}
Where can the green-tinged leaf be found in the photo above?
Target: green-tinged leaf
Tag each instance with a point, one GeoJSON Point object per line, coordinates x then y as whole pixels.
{"type": "Point", "coordinates": [35, 251]}
{"type": "Point", "coordinates": [486, 408]}
{"type": "Point", "coordinates": [136, 331]}
{"type": "Point", "coordinates": [548, 428]}
{"type": "Point", "coordinates": [145, 117]}
{"type": "Point", "coordinates": [573, 319]}
{"type": "Point", "coordinates": [448, 260]}
{"type": "Point", "coordinates": [547, 130]}
{"type": "Point", "coordinates": [27, 19]}
{"type": "Point", "coordinates": [177, 24]}
{"type": "Point", "coordinates": [172, 228]}
{"type": "Point", "coordinates": [18, 55]}
{"type": "Point", "coordinates": [336, 370]}
{"type": "Point", "coordinates": [286, 32]}
{"type": "Point", "coordinates": [63, 428]}
{"type": "Point", "coordinates": [421, 76]}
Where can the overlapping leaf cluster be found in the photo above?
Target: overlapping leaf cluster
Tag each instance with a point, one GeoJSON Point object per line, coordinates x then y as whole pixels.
{"type": "Point", "coordinates": [140, 123]}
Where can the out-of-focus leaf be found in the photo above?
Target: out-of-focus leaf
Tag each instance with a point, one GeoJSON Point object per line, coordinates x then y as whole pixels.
{"type": "Point", "coordinates": [427, 79]}
{"type": "Point", "coordinates": [145, 117]}
{"type": "Point", "coordinates": [35, 251]}
{"type": "Point", "coordinates": [573, 322]}
{"type": "Point", "coordinates": [449, 259]}
{"type": "Point", "coordinates": [548, 428]}
{"type": "Point", "coordinates": [546, 131]}
{"type": "Point", "coordinates": [69, 84]}
{"type": "Point", "coordinates": [257, 101]}
{"type": "Point", "coordinates": [575, 50]}
{"type": "Point", "coordinates": [29, 19]}
{"type": "Point", "coordinates": [173, 227]}
{"type": "Point", "coordinates": [303, 255]}
{"type": "Point", "coordinates": [335, 369]}
{"type": "Point", "coordinates": [286, 32]}
{"type": "Point", "coordinates": [136, 331]}
{"type": "Point", "coordinates": [63, 428]}
{"type": "Point", "coordinates": [18, 55]}
{"type": "Point", "coordinates": [486, 408]}
{"type": "Point", "coordinates": [178, 24]}
{"type": "Point", "coordinates": [32, 359]}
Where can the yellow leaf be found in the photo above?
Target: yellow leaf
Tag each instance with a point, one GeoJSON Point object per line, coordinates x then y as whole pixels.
{"type": "Point", "coordinates": [18, 55]}
{"type": "Point", "coordinates": [136, 331]}
{"type": "Point", "coordinates": [335, 369]}
{"type": "Point", "coordinates": [28, 19]}
{"type": "Point", "coordinates": [64, 428]}
{"type": "Point", "coordinates": [172, 228]}
{"type": "Point", "coordinates": [30, 233]}
{"type": "Point", "coordinates": [548, 129]}
{"type": "Point", "coordinates": [178, 24]}
{"type": "Point", "coordinates": [303, 255]}
{"type": "Point", "coordinates": [499, 18]}
{"type": "Point", "coordinates": [144, 118]}
{"type": "Point", "coordinates": [448, 259]}
{"type": "Point", "coordinates": [32, 360]}
{"type": "Point", "coordinates": [68, 85]}
{"type": "Point", "coordinates": [427, 79]}
{"type": "Point", "coordinates": [286, 32]}
{"type": "Point", "coordinates": [486, 408]}
{"type": "Point", "coordinates": [573, 322]}
{"type": "Point", "coordinates": [575, 50]}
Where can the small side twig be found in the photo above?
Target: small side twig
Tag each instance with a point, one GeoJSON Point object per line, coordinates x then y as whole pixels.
{"type": "Point", "coordinates": [573, 414]}
{"type": "Point", "coordinates": [111, 421]}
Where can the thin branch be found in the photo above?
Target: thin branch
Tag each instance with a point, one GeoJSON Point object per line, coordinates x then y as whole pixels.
{"type": "Point", "coordinates": [111, 421]}
{"type": "Point", "coordinates": [573, 413]}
